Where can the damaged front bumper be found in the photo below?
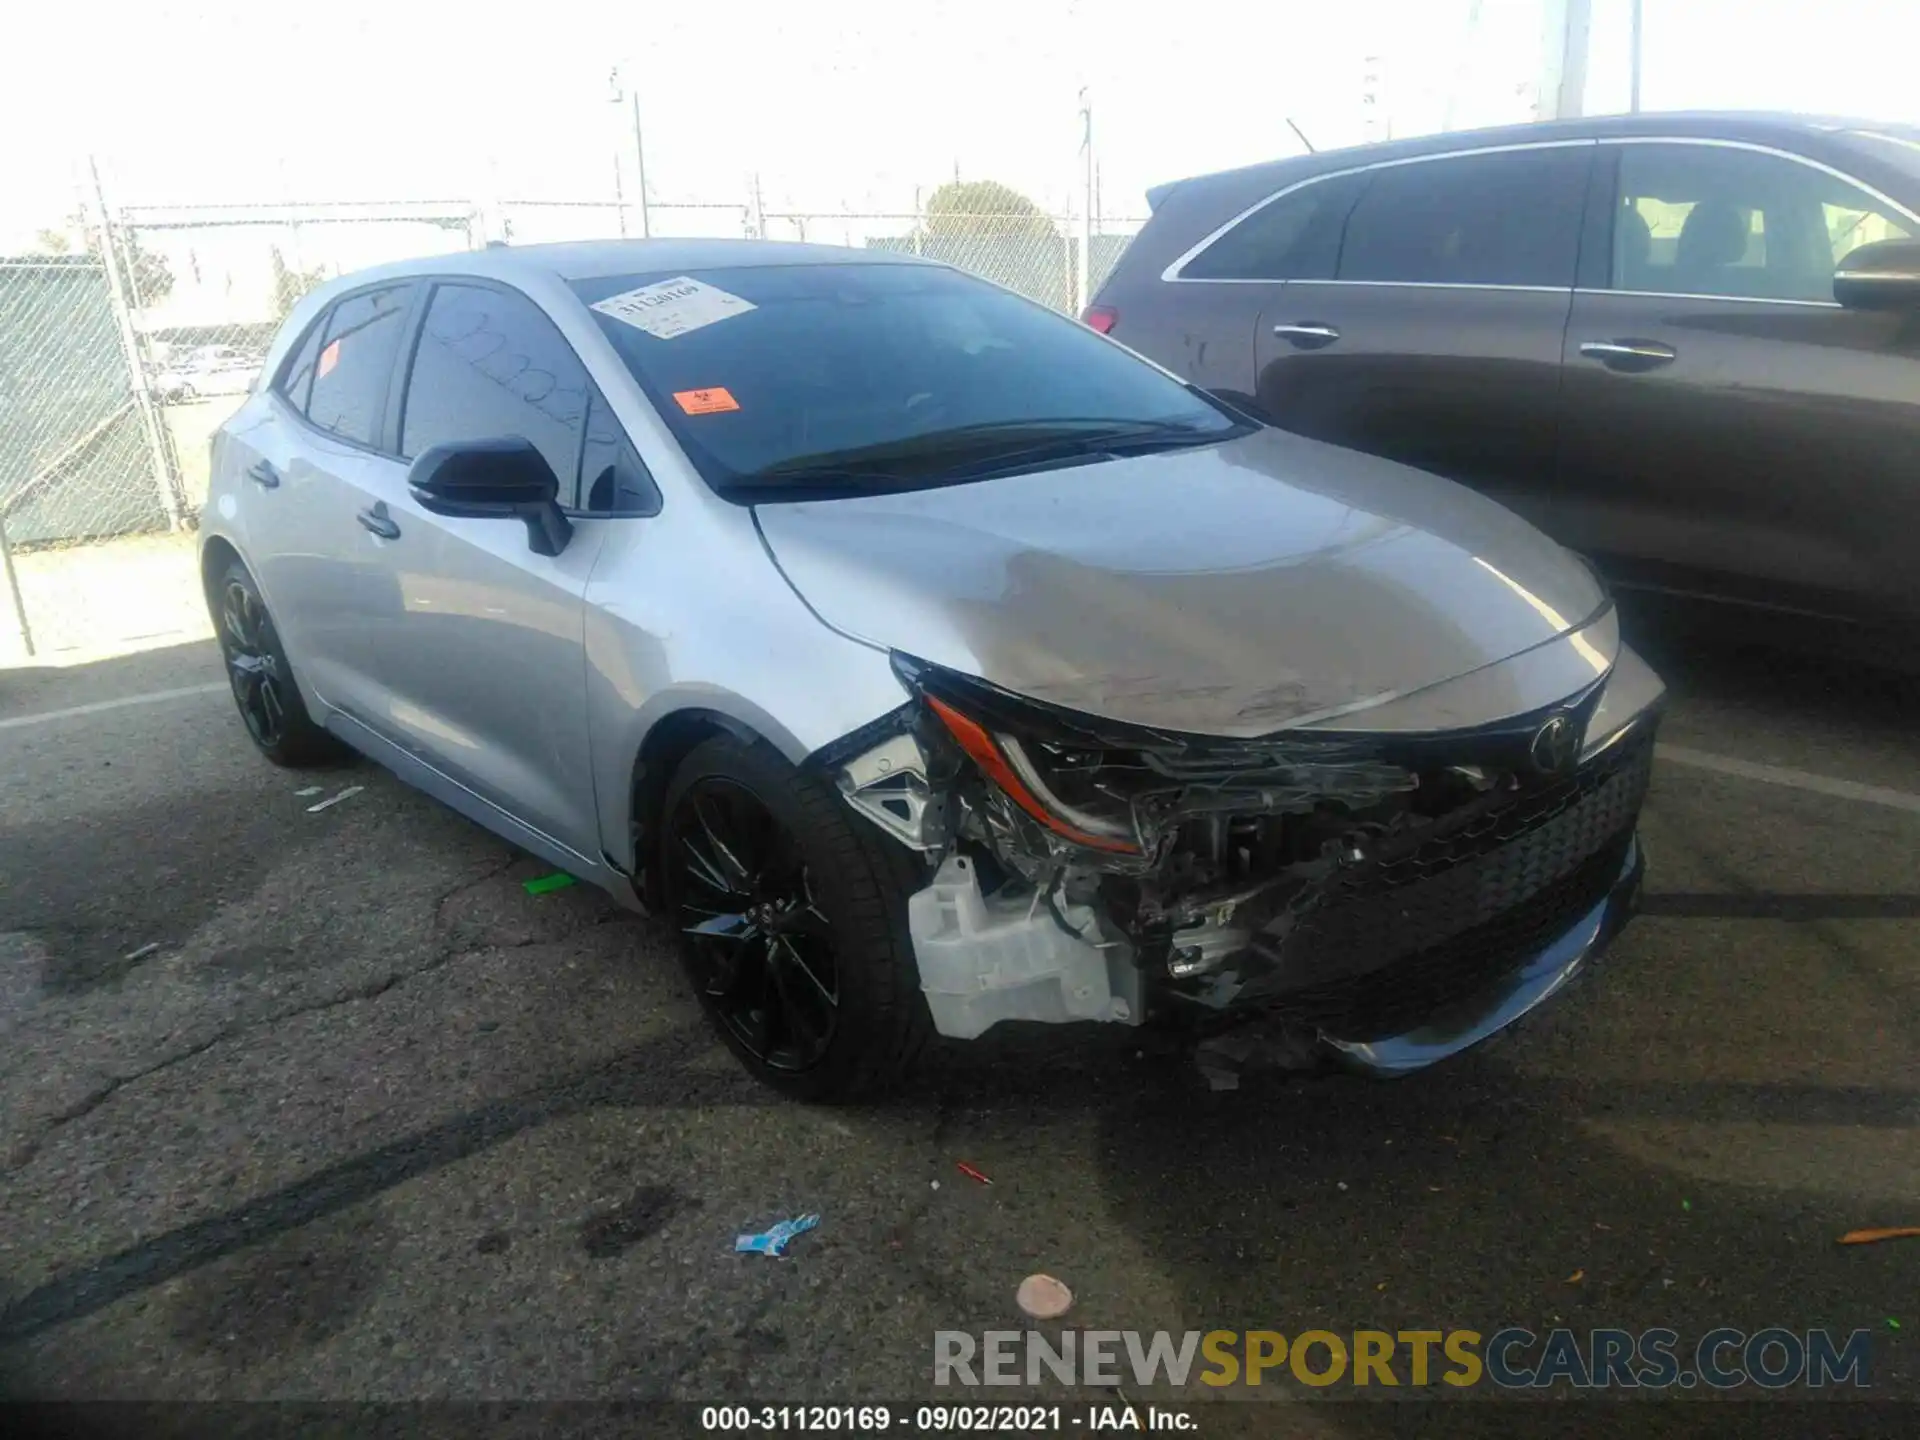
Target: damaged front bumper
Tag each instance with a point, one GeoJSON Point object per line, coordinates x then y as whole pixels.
{"type": "Point", "coordinates": [1463, 1023]}
{"type": "Point", "coordinates": [1386, 900]}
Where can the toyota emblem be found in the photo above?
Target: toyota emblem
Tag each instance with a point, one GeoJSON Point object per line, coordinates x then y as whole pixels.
{"type": "Point", "coordinates": [1553, 746]}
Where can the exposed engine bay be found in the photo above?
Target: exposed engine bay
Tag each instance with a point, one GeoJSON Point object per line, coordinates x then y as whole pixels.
{"type": "Point", "coordinates": [1081, 869]}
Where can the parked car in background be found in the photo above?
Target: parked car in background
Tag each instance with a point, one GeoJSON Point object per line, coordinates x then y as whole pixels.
{"type": "Point", "coordinates": [929, 660]}
{"type": "Point", "coordinates": [207, 370]}
{"type": "Point", "coordinates": [1685, 345]}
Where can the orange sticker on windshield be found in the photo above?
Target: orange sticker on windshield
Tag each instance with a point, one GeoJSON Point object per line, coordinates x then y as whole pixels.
{"type": "Point", "coordinates": [329, 358]}
{"type": "Point", "coordinates": [705, 402]}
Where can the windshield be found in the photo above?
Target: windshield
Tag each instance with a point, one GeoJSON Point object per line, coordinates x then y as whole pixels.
{"type": "Point", "coordinates": [784, 381]}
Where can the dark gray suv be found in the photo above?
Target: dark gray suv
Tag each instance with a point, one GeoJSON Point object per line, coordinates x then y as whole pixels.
{"type": "Point", "coordinates": [1687, 345]}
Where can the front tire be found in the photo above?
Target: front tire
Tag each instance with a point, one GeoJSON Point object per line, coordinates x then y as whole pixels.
{"type": "Point", "coordinates": [263, 685]}
{"type": "Point", "coordinates": [792, 920]}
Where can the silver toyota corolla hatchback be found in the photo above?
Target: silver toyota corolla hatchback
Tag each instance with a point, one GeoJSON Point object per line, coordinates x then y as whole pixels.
{"type": "Point", "coordinates": [926, 658]}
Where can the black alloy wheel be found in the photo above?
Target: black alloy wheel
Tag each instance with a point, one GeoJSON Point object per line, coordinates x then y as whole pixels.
{"type": "Point", "coordinates": [763, 950]}
{"type": "Point", "coordinates": [252, 666]}
{"type": "Point", "coordinates": [263, 685]}
{"type": "Point", "coordinates": [791, 913]}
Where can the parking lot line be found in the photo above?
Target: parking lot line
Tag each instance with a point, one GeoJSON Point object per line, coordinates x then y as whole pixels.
{"type": "Point", "coordinates": [1793, 779]}
{"type": "Point", "coordinates": [151, 697]}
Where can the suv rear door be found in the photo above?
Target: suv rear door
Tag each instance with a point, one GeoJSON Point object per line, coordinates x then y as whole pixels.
{"type": "Point", "coordinates": [1729, 429]}
{"type": "Point", "coordinates": [1427, 327]}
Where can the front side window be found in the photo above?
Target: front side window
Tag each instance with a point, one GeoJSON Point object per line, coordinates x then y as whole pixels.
{"type": "Point", "coordinates": [784, 381]}
{"type": "Point", "coordinates": [1502, 218]}
{"type": "Point", "coordinates": [354, 366]}
{"type": "Point", "coordinates": [1296, 237]}
{"type": "Point", "coordinates": [1718, 220]}
{"type": "Point", "coordinates": [491, 364]}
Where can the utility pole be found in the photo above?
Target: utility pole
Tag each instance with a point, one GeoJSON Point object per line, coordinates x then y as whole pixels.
{"type": "Point", "coordinates": [1083, 273]}
{"type": "Point", "coordinates": [117, 291]}
{"type": "Point", "coordinates": [640, 169]}
{"type": "Point", "coordinates": [617, 93]}
{"type": "Point", "coordinates": [1633, 100]}
{"type": "Point", "coordinates": [619, 187]}
{"type": "Point", "coordinates": [1563, 68]}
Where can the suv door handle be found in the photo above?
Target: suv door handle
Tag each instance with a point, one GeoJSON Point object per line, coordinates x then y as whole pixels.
{"type": "Point", "coordinates": [376, 519]}
{"type": "Point", "coordinates": [262, 473]}
{"type": "Point", "coordinates": [1631, 355]}
{"type": "Point", "coordinates": [1307, 334]}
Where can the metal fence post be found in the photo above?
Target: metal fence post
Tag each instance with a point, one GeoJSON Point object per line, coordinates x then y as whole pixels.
{"type": "Point", "coordinates": [13, 589]}
{"type": "Point", "coordinates": [168, 484]}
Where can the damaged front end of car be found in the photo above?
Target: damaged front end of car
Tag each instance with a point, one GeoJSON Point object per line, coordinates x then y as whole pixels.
{"type": "Point", "coordinates": [1385, 898]}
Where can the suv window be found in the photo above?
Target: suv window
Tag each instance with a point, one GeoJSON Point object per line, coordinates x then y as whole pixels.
{"type": "Point", "coordinates": [355, 364]}
{"type": "Point", "coordinates": [1508, 217]}
{"type": "Point", "coordinates": [1716, 220]}
{"type": "Point", "coordinates": [490, 363]}
{"type": "Point", "coordinates": [1297, 237]}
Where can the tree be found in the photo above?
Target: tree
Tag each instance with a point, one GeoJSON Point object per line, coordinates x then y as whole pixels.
{"type": "Point", "coordinates": [289, 286]}
{"type": "Point", "coordinates": [984, 208]}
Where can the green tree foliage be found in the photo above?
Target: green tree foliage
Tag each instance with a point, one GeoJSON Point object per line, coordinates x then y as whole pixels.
{"type": "Point", "coordinates": [984, 208]}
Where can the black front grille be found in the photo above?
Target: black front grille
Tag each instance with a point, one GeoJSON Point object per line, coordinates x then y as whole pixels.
{"type": "Point", "coordinates": [1391, 939]}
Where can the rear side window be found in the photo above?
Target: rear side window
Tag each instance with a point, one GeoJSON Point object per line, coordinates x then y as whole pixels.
{"type": "Point", "coordinates": [490, 364]}
{"type": "Point", "coordinates": [355, 364]}
{"type": "Point", "coordinates": [1505, 218]}
{"type": "Point", "coordinates": [297, 380]}
{"type": "Point", "coordinates": [1297, 237]}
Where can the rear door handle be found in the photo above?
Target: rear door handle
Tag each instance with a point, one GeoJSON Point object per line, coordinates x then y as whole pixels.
{"type": "Point", "coordinates": [1307, 334]}
{"type": "Point", "coordinates": [262, 473]}
{"type": "Point", "coordinates": [376, 519]}
{"type": "Point", "coordinates": [1628, 354]}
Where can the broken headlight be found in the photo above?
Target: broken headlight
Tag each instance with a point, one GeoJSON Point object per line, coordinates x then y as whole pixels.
{"type": "Point", "coordinates": [1068, 782]}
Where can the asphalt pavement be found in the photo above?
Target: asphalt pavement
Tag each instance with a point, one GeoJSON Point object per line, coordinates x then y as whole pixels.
{"type": "Point", "coordinates": [326, 1106]}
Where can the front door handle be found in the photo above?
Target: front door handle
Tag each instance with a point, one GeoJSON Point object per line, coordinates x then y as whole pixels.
{"type": "Point", "coordinates": [376, 519]}
{"type": "Point", "coordinates": [1631, 355]}
{"type": "Point", "coordinates": [1307, 334]}
{"type": "Point", "coordinates": [262, 473]}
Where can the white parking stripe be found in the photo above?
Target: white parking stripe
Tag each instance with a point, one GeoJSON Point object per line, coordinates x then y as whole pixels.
{"type": "Point", "coordinates": [152, 697]}
{"type": "Point", "coordinates": [1792, 779]}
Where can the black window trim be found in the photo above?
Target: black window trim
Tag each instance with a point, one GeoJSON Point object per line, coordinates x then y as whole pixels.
{"type": "Point", "coordinates": [431, 282]}
{"type": "Point", "coordinates": [382, 426]}
{"type": "Point", "coordinates": [1611, 165]}
{"type": "Point", "coordinates": [1174, 273]}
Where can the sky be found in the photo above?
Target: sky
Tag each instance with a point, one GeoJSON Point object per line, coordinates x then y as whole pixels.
{"type": "Point", "coordinates": [835, 105]}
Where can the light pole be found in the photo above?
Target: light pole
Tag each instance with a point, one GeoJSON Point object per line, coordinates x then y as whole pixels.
{"type": "Point", "coordinates": [639, 158]}
{"type": "Point", "coordinates": [1633, 97]}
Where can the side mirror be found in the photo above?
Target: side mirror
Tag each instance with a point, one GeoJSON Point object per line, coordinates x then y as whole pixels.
{"type": "Point", "coordinates": [1882, 276]}
{"type": "Point", "coordinates": [502, 479]}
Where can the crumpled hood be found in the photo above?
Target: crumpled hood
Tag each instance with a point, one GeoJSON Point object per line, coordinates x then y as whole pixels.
{"type": "Point", "coordinates": [1236, 589]}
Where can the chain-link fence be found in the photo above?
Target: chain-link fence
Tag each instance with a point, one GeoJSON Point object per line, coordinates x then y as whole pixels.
{"type": "Point", "coordinates": [118, 364]}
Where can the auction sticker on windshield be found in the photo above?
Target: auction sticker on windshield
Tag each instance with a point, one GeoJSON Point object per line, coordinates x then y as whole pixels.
{"type": "Point", "coordinates": [706, 402]}
{"type": "Point", "coordinates": [670, 308]}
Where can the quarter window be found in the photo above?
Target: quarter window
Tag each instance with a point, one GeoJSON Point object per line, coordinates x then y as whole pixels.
{"type": "Point", "coordinates": [297, 380]}
{"type": "Point", "coordinates": [1502, 218]}
{"type": "Point", "coordinates": [490, 364]}
{"type": "Point", "coordinates": [1296, 237]}
{"type": "Point", "coordinates": [1717, 220]}
{"type": "Point", "coordinates": [355, 364]}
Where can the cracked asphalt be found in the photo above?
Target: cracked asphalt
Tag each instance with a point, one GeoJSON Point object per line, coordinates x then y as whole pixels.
{"type": "Point", "coordinates": [327, 1107]}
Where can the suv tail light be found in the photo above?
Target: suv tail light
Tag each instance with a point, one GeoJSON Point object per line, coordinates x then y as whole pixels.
{"type": "Point", "coordinates": [1100, 317]}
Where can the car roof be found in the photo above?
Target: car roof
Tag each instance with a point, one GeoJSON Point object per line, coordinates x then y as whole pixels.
{"type": "Point", "coordinates": [592, 259]}
{"type": "Point", "coordinates": [1758, 126]}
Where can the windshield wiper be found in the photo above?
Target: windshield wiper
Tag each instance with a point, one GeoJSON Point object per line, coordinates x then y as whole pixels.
{"type": "Point", "coordinates": [993, 445]}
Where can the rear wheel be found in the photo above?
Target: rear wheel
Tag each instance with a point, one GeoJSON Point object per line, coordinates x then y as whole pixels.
{"type": "Point", "coordinates": [263, 687]}
{"type": "Point", "coordinates": [792, 920]}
